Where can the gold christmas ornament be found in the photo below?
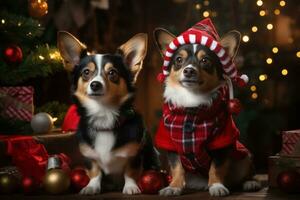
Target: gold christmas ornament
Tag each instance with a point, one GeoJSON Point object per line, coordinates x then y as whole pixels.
{"type": "Point", "coordinates": [37, 8]}
{"type": "Point", "coordinates": [56, 181]}
{"type": "Point", "coordinates": [8, 183]}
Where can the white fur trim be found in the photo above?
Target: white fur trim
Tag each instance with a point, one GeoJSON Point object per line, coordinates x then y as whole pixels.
{"type": "Point", "coordinates": [213, 45]}
{"type": "Point", "coordinates": [204, 40]}
{"type": "Point", "coordinates": [192, 38]}
{"type": "Point", "coordinates": [172, 46]}
{"type": "Point", "coordinates": [169, 54]}
{"type": "Point", "coordinates": [225, 61]}
{"type": "Point", "coordinates": [166, 63]}
{"type": "Point", "coordinates": [181, 40]}
{"type": "Point", "coordinates": [221, 53]}
{"type": "Point", "coordinates": [245, 78]}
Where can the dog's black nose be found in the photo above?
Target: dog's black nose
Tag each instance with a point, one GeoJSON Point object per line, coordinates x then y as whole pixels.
{"type": "Point", "coordinates": [96, 86]}
{"type": "Point", "coordinates": [189, 72]}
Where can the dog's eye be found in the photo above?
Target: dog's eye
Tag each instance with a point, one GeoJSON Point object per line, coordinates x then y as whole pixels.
{"type": "Point", "coordinates": [86, 73]}
{"type": "Point", "coordinates": [113, 75]}
{"type": "Point", "coordinates": [204, 60]}
{"type": "Point", "coordinates": [179, 60]}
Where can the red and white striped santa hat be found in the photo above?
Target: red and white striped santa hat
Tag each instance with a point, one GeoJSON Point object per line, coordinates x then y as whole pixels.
{"type": "Point", "coordinates": [203, 33]}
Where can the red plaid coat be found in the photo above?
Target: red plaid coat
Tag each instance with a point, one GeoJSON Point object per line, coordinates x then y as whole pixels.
{"type": "Point", "coordinates": [191, 132]}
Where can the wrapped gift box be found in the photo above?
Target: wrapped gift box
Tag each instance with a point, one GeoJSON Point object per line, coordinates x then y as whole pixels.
{"type": "Point", "coordinates": [16, 102]}
{"type": "Point", "coordinates": [55, 143]}
{"type": "Point", "coordinates": [290, 143]}
{"type": "Point", "coordinates": [278, 164]}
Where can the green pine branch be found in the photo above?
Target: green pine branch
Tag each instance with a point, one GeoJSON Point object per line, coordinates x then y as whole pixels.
{"type": "Point", "coordinates": [41, 62]}
{"type": "Point", "coordinates": [19, 28]}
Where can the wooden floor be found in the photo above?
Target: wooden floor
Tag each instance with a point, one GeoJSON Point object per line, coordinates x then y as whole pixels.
{"type": "Point", "coordinates": [263, 194]}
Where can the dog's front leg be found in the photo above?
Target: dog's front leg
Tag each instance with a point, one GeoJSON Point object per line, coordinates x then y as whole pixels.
{"type": "Point", "coordinates": [131, 175]}
{"type": "Point", "coordinates": [178, 176]}
{"type": "Point", "coordinates": [94, 186]}
{"type": "Point", "coordinates": [217, 174]}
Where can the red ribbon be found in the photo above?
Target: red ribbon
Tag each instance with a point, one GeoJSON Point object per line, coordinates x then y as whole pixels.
{"type": "Point", "coordinates": [30, 157]}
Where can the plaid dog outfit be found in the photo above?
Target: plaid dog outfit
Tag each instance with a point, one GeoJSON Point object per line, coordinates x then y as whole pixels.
{"type": "Point", "coordinates": [193, 132]}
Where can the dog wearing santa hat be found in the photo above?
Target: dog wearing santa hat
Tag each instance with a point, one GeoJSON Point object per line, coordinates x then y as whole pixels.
{"type": "Point", "coordinates": [197, 129]}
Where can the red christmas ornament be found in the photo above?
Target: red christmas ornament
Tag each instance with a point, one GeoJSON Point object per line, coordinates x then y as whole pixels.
{"type": "Point", "coordinates": [160, 78]}
{"type": "Point", "coordinates": [151, 182]}
{"type": "Point", "coordinates": [13, 54]}
{"type": "Point", "coordinates": [79, 179]}
{"type": "Point", "coordinates": [29, 185]}
{"type": "Point", "coordinates": [234, 106]}
{"type": "Point", "coordinates": [289, 181]}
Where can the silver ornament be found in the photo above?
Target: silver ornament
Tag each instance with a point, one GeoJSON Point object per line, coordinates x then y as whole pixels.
{"type": "Point", "coordinates": [41, 123]}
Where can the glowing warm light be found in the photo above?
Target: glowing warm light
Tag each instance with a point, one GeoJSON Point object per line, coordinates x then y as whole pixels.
{"type": "Point", "coordinates": [263, 77]}
{"type": "Point", "coordinates": [262, 13]}
{"type": "Point", "coordinates": [284, 72]}
{"type": "Point", "coordinates": [277, 12]}
{"type": "Point", "coordinates": [254, 95]}
{"type": "Point", "coordinates": [206, 3]}
{"type": "Point", "coordinates": [259, 3]}
{"type": "Point", "coordinates": [19, 23]}
{"type": "Point", "coordinates": [275, 50]}
{"type": "Point", "coordinates": [245, 38]}
{"type": "Point", "coordinates": [269, 26]}
{"type": "Point", "coordinates": [205, 14]}
{"type": "Point", "coordinates": [198, 6]}
{"type": "Point", "coordinates": [55, 55]}
{"type": "Point", "coordinates": [269, 60]}
{"type": "Point", "coordinates": [298, 54]}
{"type": "Point", "coordinates": [253, 88]}
{"type": "Point", "coordinates": [282, 3]}
{"type": "Point", "coordinates": [41, 57]}
{"type": "Point", "coordinates": [254, 29]}
{"type": "Point", "coordinates": [3, 21]}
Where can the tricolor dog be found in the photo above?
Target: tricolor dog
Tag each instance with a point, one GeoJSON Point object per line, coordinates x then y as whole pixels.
{"type": "Point", "coordinates": [111, 134]}
{"type": "Point", "coordinates": [197, 129]}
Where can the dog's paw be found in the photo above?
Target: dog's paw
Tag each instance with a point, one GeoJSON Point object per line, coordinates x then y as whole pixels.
{"type": "Point", "coordinates": [218, 190]}
{"type": "Point", "coordinates": [170, 191]}
{"type": "Point", "coordinates": [89, 190]}
{"type": "Point", "coordinates": [92, 188]}
{"type": "Point", "coordinates": [131, 189]}
{"type": "Point", "coordinates": [251, 185]}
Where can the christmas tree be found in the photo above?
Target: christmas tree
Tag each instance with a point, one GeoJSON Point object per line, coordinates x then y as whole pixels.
{"type": "Point", "coordinates": [25, 58]}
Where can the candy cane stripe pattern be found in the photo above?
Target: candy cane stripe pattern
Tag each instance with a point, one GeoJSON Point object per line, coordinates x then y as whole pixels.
{"type": "Point", "coordinates": [207, 37]}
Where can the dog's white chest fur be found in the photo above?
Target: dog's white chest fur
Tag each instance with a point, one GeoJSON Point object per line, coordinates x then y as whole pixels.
{"type": "Point", "coordinates": [104, 143]}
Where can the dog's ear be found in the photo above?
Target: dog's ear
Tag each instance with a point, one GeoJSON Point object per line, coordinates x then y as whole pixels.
{"type": "Point", "coordinates": [134, 52]}
{"type": "Point", "coordinates": [231, 42]}
{"type": "Point", "coordinates": [70, 48]}
{"type": "Point", "coordinates": [162, 39]}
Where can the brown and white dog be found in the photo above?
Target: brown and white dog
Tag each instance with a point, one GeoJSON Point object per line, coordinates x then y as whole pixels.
{"type": "Point", "coordinates": [111, 134]}
{"type": "Point", "coordinates": [197, 129]}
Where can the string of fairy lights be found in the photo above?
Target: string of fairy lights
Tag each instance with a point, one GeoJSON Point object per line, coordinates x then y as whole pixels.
{"type": "Point", "coordinates": [262, 11]}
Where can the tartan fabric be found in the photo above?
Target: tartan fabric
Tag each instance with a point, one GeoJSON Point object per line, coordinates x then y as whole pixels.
{"type": "Point", "coordinates": [192, 132]}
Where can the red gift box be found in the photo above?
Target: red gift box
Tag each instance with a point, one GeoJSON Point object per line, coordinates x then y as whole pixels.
{"type": "Point", "coordinates": [16, 102]}
{"type": "Point", "coordinates": [290, 143]}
